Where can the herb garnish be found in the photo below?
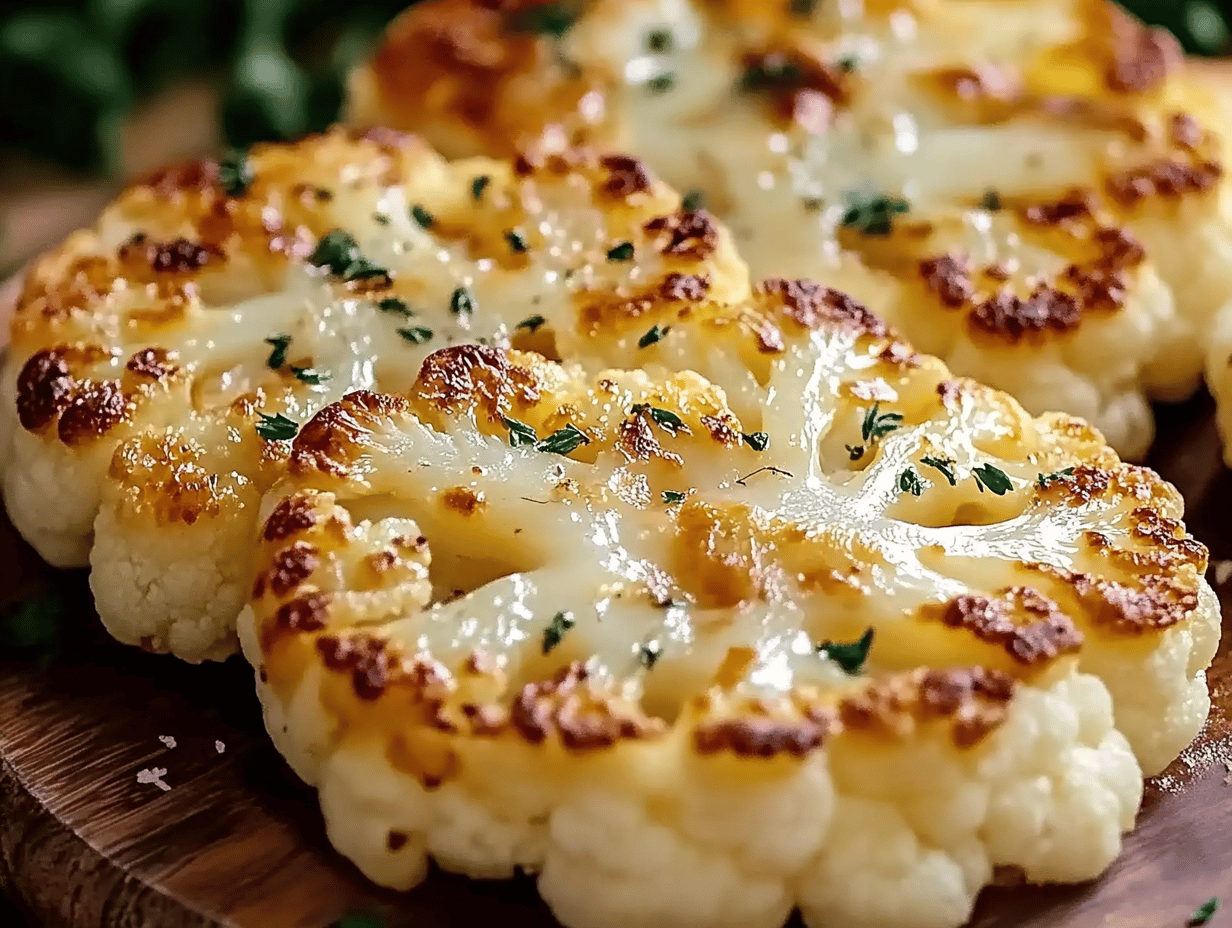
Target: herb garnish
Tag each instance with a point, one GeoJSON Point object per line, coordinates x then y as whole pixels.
{"type": "Point", "coordinates": [380, 219]}
{"type": "Point", "coordinates": [622, 252]}
{"type": "Point", "coordinates": [659, 41]}
{"type": "Point", "coordinates": [770, 72]}
{"type": "Point", "coordinates": [875, 215]}
{"type": "Point", "coordinates": [461, 302]}
{"type": "Point", "coordinates": [310, 376]}
{"type": "Point", "coordinates": [991, 201]}
{"type": "Point", "coordinates": [531, 323]}
{"type": "Point", "coordinates": [1204, 913]}
{"type": "Point", "coordinates": [674, 496]}
{"type": "Point", "coordinates": [517, 243]}
{"type": "Point", "coordinates": [877, 424]}
{"type": "Point", "coordinates": [945, 465]}
{"type": "Point", "coordinates": [649, 654]}
{"type": "Point", "coordinates": [563, 441]}
{"type": "Point", "coordinates": [1043, 480]}
{"type": "Point", "coordinates": [479, 185]}
{"type": "Point", "coordinates": [416, 334]}
{"type": "Point", "coordinates": [668, 420]}
{"type": "Point", "coordinates": [758, 441]}
{"type": "Point", "coordinates": [692, 201]}
{"type": "Point", "coordinates": [849, 656]}
{"type": "Point", "coordinates": [422, 217]}
{"type": "Point", "coordinates": [561, 623]}
{"type": "Point", "coordinates": [338, 251]}
{"type": "Point", "coordinates": [278, 356]}
{"type": "Point", "coordinates": [909, 482]}
{"type": "Point", "coordinates": [661, 83]}
{"type": "Point", "coordinates": [992, 478]}
{"type": "Point", "coordinates": [235, 173]}
{"type": "Point", "coordinates": [277, 427]}
{"type": "Point", "coordinates": [394, 305]}
{"type": "Point", "coordinates": [519, 432]}
{"type": "Point", "coordinates": [655, 334]}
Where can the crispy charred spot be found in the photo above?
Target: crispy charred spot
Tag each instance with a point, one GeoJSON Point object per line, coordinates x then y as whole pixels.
{"type": "Point", "coordinates": [176, 257]}
{"type": "Point", "coordinates": [396, 841]}
{"type": "Point", "coordinates": [367, 659]}
{"type": "Point", "coordinates": [637, 441]}
{"type": "Point", "coordinates": [1078, 488]}
{"type": "Point", "coordinates": [1166, 178]}
{"type": "Point", "coordinates": [1076, 206]}
{"type": "Point", "coordinates": [463, 500]}
{"type": "Point", "coordinates": [626, 176]}
{"type": "Point", "coordinates": [583, 718]}
{"type": "Point", "coordinates": [293, 515]}
{"type": "Point", "coordinates": [472, 378]}
{"type": "Point", "coordinates": [332, 439]}
{"type": "Point", "coordinates": [974, 700]}
{"type": "Point", "coordinates": [291, 567]}
{"type": "Point", "coordinates": [684, 287]}
{"type": "Point", "coordinates": [1170, 535]}
{"type": "Point", "coordinates": [1186, 131]}
{"type": "Point", "coordinates": [984, 83]}
{"type": "Point", "coordinates": [800, 87]}
{"type": "Point", "coordinates": [44, 389]}
{"type": "Point", "coordinates": [685, 234]}
{"type": "Point", "coordinates": [812, 306]}
{"type": "Point", "coordinates": [1025, 623]}
{"type": "Point", "coordinates": [1156, 603]}
{"type": "Point", "coordinates": [723, 428]}
{"type": "Point", "coordinates": [95, 409]}
{"type": "Point", "coordinates": [765, 736]}
{"type": "Point", "coordinates": [949, 276]}
{"type": "Point", "coordinates": [1141, 57]}
{"type": "Point", "coordinates": [949, 391]}
{"type": "Point", "coordinates": [198, 177]}
{"type": "Point", "coordinates": [1010, 317]}
{"type": "Point", "coordinates": [153, 363]}
{"type": "Point", "coordinates": [305, 614]}
{"type": "Point", "coordinates": [769, 336]}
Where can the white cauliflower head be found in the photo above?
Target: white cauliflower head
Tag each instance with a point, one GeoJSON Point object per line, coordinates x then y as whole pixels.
{"type": "Point", "coordinates": [844, 635]}
{"type": "Point", "coordinates": [160, 362]}
{"type": "Point", "coordinates": [1032, 191]}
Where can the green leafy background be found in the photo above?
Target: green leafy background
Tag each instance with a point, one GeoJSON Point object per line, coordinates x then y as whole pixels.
{"type": "Point", "coordinates": [72, 69]}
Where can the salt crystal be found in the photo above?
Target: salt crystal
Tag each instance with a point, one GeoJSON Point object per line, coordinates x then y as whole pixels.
{"type": "Point", "coordinates": [167, 740]}
{"type": "Point", "coordinates": [219, 747]}
{"type": "Point", "coordinates": [155, 776]}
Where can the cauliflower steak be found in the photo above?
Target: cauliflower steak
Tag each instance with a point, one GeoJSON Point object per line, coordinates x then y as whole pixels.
{"type": "Point", "coordinates": [1032, 190]}
{"type": "Point", "coordinates": [844, 636]}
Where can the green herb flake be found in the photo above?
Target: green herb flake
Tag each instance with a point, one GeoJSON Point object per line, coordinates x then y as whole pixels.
{"type": "Point", "coordinates": [991, 201]}
{"type": "Point", "coordinates": [461, 303]}
{"type": "Point", "coordinates": [875, 215]}
{"type": "Point", "coordinates": [758, 441]}
{"type": "Point", "coordinates": [877, 425]}
{"type": "Point", "coordinates": [655, 334]}
{"type": "Point", "coordinates": [549, 19]}
{"type": "Point", "coordinates": [531, 323]}
{"type": "Point", "coordinates": [692, 201]}
{"type": "Point", "coordinates": [339, 252]}
{"type": "Point", "coordinates": [235, 173]}
{"type": "Point", "coordinates": [423, 218]}
{"type": "Point", "coordinates": [851, 656]}
{"type": "Point", "coordinates": [992, 479]}
{"type": "Point", "coordinates": [563, 441]}
{"type": "Point", "coordinates": [622, 252]}
{"type": "Point", "coordinates": [520, 433]}
{"type": "Point", "coordinates": [661, 83]}
{"type": "Point", "coordinates": [479, 185]}
{"type": "Point", "coordinates": [665, 418]}
{"type": "Point", "coordinates": [416, 334]}
{"type": "Point", "coordinates": [649, 654]}
{"type": "Point", "coordinates": [552, 635]}
{"type": "Point", "coordinates": [310, 376]}
{"type": "Point", "coordinates": [848, 64]}
{"type": "Point", "coordinates": [945, 465]}
{"type": "Point", "coordinates": [854, 452]}
{"type": "Point", "coordinates": [671, 497]}
{"type": "Point", "coordinates": [659, 41]}
{"type": "Point", "coordinates": [517, 242]}
{"type": "Point", "coordinates": [909, 482]}
{"type": "Point", "coordinates": [770, 72]}
{"type": "Point", "coordinates": [1204, 913]}
{"type": "Point", "coordinates": [277, 427]}
{"type": "Point", "coordinates": [278, 357]}
{"type": "Point", "coordinates": [395, 307]}
{"type": "Point", "coordinates": [1043, 480]}
{"type": "Point", "coordinates": [380, 219]}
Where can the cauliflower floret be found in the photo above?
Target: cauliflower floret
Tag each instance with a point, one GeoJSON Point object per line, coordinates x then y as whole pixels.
{"type": "Point", "coordinates": [842, 634]}
{"type": "Point", "coordinates": [1032, 192]}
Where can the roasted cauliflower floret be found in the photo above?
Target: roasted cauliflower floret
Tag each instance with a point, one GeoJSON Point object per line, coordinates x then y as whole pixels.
{"type": "Point", "coordinates": [843, 636]}
{"type": "Point", "coordinates": [1031, 191]}
{"type": "Point", "coordinates": [160, 362]}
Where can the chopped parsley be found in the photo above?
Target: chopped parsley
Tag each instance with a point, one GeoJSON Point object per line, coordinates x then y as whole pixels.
{"type": "Point", "coordinates": [519, 432]}
{"type": "Point", "coordinates": [758, 441]}
{"type": "Point", "coordinates": [661, 83]}
{"type": "Point", "coordinates": [659, 41]}
{"type": "Point", "coordinates": [235, 173]}
{"type": "Point", "coordinates": [278, 357]}
{"type": "Point", "coordinates": [622, 252]}
{"type": "Point", "coordinates": [552, 635]}
{"type": "Point", "coordinates": [991, 478]}
{"type": "Point", "coordinates": [479, 185]}
{"type": "Point", "coordinates": [395, 306]}
{"type": "Point", "coordinates": [531, 323]}
{"type": "Point", "coordinates": [517, 242]}
{"type": "Point", "coordinates": [310, 375]}
{"type": "Point", "coordinates": [875, 215]}
{"type": "Point", "coordinates": [671, 497]}
{"type": "Point", "coordinates": [909, 482]}
{"type": "Point", "coordinates": [848, 63]}
{"type": "Point", "coordinates": [416, 334]}
{"type": "Point", "coordinates": [945, 465]}
{"type": "Point", "coordinates": [461, 302]}
{"type": "Point", "coordinates": [877, 424]}
{"type": "Point", "coordinates": [338, 251]}
{"type": "Point", "coordinates": [812, 204]}
{"type": "Point", "coordinates": [422, 217]}
{"type": "Point", "coordinates": [552, 19]}
{"type": "Point", "coordinates": [770, 72]}
{"type": "Point", "coordinates": [1204, 913]}
{"type": "Point", "coordinates": [649, 653]}
{"type": "Point", "coordinates": [655, 334]}
{"type": "Point", "coordinates": [693, 201]}
{"type": "Point", "coordinates": [563, 441]}
{"type": "Point", "coordinates": [1043, 480]}
{"type": "Point", "coordinates": [380, 219]}
{"type": "Point", "coordinates": [277, 427]}
{"type": "Point", "coordinates": [991, 201]}
{"type": "Point", "coordinates": [668, 420]}
{"type": "Point", "coordinates": [849, 656]}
